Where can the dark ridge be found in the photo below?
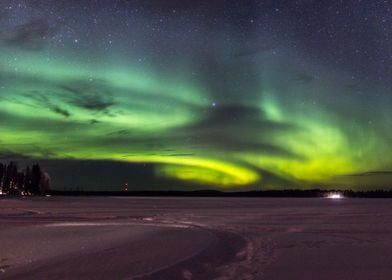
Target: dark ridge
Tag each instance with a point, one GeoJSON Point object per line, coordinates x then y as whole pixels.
{"type": "Point", "coordinates": [214, 193]}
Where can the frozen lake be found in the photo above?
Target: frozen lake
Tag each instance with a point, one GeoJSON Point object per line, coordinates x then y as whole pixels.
{"type": "Point", "coordinates": [195, 238]}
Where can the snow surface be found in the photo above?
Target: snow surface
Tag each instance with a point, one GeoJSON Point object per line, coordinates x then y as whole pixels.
{"type": "Point", "coordinates": [195, 238]}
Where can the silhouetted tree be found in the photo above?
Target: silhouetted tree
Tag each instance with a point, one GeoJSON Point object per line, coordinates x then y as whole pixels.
{"type": "Point", "coordinates": [45, 182]}
{"type": "Point", "coordinates": [14, 175]}
{"type": "Point", "coordinates": [27, 180]}
{"type": "Point", "coordinates": [2, 169]}
{"type": "Point", "coordinates": [8, 177]}
{"type": "Point", "coordinates": [36, 175]}
{"type": "Point", "coordinates": [20, 182]}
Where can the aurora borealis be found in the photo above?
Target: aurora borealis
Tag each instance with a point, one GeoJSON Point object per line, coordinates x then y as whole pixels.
{"type": "Point", "coordinates": [215, 94]}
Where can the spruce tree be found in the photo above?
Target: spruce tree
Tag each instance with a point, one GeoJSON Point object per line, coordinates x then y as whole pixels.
{"type": "Point", "coordinates": [35, 179]}
{"type": "Point", "coordinates": [2, 169]}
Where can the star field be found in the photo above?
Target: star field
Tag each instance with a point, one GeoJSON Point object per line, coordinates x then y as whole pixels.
{"type": "Point", "coordinates": [220, 94]}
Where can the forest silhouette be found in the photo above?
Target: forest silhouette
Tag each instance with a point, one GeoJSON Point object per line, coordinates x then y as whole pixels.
{"type": "Point", "coordinates": [28, 181]}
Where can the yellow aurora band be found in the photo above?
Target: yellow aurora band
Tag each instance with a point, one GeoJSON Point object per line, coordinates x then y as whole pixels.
{"type": "Point", "coordinates": [290, 123]}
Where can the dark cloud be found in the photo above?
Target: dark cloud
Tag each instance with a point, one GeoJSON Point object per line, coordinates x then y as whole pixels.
{"type": "Point", "coordinates": [235, 128]}
{"type": "Point", "coordinates": [11, 155]}
{"type": "Point", "coordinates": [39, 124]}
{"type": "Point", "coordinates": [42, 152]}
{"type": "Point", "coordinates": [139, 142]}
{"type": "Point", "coordinates": [229, 128]}
{"type": "Point", "coordinates": [42, 99]}
{"type": "Point", "coordinates": [380, 172]}
{"type": "Point", "coordinates": [270, 181]}
{"type": "Point", "coordinates": [94, 103]}
{"type": "Point", "coordinates": [30, 36]}
{"type": "Point", "coordinates": [94, 121]}
{"type": "Point", "coordinates": [39, 152]}
{"type": "Point", "coordinates": [240, 118]}
{"type": "Point", "coordinates": [234, 112]}
{"type": "Point", "coordinates": [60, 111]}
{"type": "Point", "coordinates": [94, 96]}
{"type": "Point", "coordinates": [119, 132]}
{"type": "Point", "coordinates": [370, 173]}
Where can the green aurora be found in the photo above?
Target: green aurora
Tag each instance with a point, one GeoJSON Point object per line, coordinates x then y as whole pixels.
{"type": "Point", "coordinates": [275, 118]}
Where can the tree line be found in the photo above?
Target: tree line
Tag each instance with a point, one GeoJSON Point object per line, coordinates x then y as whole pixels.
{"type": "Point", "coordinates": [28, 181]}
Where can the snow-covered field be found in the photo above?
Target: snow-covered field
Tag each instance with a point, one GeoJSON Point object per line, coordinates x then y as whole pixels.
{"type": "Point", "coordinates": [195, 238]}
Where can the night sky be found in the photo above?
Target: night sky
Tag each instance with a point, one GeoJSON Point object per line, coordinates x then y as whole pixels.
{"type": "Point", "coordinates": [231, 95]}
